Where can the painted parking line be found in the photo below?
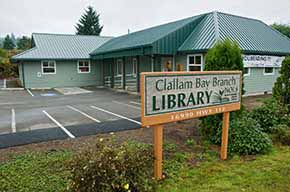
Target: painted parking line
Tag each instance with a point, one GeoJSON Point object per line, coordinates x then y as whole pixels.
{"type": "Point", "coordinates": [83, 113]}
{"type": "Point", "coordinates": [117, 115]}
{"type": "Point", "coordinates": [13, 122]}
{"type": "Point", "coordinates": [30, 92]}
{"type": "Point", "coordinates": [58, 124]}
{"type": "Point", "coordinates": [10, 103]}
{"type": "Point", "coordinates": [125, 104]}
{"type": "Point", "coordinates": [136, 103]}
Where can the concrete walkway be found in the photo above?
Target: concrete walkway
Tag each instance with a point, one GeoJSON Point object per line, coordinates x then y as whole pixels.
{"type": "Point", "coordinates": [72, 90]}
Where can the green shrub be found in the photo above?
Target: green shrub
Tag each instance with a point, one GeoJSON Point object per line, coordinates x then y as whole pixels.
{"type": "Point", "coordinates": [245, 134]}
{"type": "Point", "coordinates": [7, 69]}
{"type": "Point", "coordinates": [269, 115]}
{"type": "Point", "coordinates": [113, 167]}
{"type": "Point", "coordinates": [211, 126]}
{"type": "Point", "coordinates": [246, 137]}
{"type": "Point", "coordinates": [281, 90]}
{"type": "Point", "coordinates": [225, 55]}
{"type": "Point", "coordinates": [281, 134]}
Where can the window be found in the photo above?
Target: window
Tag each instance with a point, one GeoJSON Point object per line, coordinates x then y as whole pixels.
{"type": "Point", "coordinates": [134, 66]}
{"type": "Point", "coordinates": [268, 71]}
{"type": "Point", "coordinates": [84, 67]}
{"type": "Point", "coordinates": [48, 67]}
{"type": "Point", "coordinates": [194, 62]}
{"type": "Point", "coordinates": [247, 71]}
{"type": "Point", "coordinates": [119, 67]}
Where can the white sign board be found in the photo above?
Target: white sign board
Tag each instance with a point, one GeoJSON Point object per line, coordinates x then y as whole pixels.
{"type": "Point", "coordinates": [262, 61]}
{"type": "Point", "coordinates": [165, 93]}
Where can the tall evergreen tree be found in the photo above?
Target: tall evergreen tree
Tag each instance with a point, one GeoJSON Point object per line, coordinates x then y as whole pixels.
{"type": "Point", "coordinates": [89, 23]}
{"type": "Point", "coordinates": [24, 43]}
{"type": "Point", "coordinates": [8, 43]}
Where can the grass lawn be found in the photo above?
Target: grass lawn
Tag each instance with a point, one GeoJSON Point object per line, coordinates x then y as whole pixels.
{"type": "Point", "coordinates": [185, 172]}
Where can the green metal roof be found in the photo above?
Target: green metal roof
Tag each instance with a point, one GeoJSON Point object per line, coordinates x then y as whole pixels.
{"type": "Point", "coordinates": [253, 36]}
{"type": "Point", "coordinates": [61, 46]}
{"type": "Point", "coordinates": [198, 34]}
{"type": "Point", "coordinates": [144, 38]}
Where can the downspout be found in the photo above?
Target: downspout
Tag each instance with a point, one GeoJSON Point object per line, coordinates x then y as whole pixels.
{"type": "Point", "coordinates": [23, 77]}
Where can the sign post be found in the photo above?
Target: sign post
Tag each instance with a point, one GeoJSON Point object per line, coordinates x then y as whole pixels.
{"type": "Point", "coordinates": [158, 138]}
{"type": "Point", "coordinates": [225, 135]}
{"type": "Point", "coordinates": [176, 96]}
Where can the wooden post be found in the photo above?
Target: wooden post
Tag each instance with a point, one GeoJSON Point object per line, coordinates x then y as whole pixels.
{"type": "Point", "coordinates": [158, 137]}
{"type": "Point", "coordinates": [225, 133]}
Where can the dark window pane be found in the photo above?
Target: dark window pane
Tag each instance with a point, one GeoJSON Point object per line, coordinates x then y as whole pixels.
{"type": "Point", "coordinates": [246, 71]}
{"type": "Point", "coordinates": [84, 69]}
{"type": "Point", "coordinates": [191, 60]}
{"type": "Point", "coordinates": [45, 64]}
{"type": "Point", "coordinates": [48, 70]}
{"type": "Point", "coordinates": [197, 59]}
{"type": "Point", "coordinates": [194, 68]}
{"type": "Point", "coordinates": [269, 70]}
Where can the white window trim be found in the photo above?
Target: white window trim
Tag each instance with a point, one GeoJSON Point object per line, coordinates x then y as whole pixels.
{"type": "Point", "coordinates": [269, 73]}
{"type": "Point", "coordinates": [117, 70]}
{"type": "Point", "coordinates": [134, 73]}
{"type": "Point", "coordinates": [44, 73]}
{"type": "Point", "coordinates": [249, 72]}
{"type": "Point", "coordinates": [198, 65]}
{"type": "Point", "coordinates": [79, 71]}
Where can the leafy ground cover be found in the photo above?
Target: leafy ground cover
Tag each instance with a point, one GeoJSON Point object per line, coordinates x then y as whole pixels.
{"type": "Point", "coordinates": [185, 171]}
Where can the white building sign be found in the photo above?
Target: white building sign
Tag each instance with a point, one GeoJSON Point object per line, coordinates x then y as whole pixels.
{"type": "Point", "coordinates": [262, 61]}
{"type": "Point", "coordinates": [185, 94]}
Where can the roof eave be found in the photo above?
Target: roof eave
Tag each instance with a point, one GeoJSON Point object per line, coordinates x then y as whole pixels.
{"type": "Point", "coordinates": [122, 49]}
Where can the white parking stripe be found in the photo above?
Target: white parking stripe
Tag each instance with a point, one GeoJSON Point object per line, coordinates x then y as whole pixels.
{"type": "Point", "coordinates": [123, 117]}
{"type": "Point", "coordinates": [58, 124]}
{"type": "Point", "coordinates": [132, 106]}
{"type": "Point", "coordinates": [4, 84]}
{"type": "Point", "coordinates": [136, 103]}
{"type": "Point", "coordinates": [88, 116]}
{"type": "Point", "coordinates": [13, 122]}
{"type": "Point", "coordinates": [30, 92]}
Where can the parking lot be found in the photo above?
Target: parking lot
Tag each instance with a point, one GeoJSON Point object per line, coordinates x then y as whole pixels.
{"type": "Point", "coordinates": [30, 116]}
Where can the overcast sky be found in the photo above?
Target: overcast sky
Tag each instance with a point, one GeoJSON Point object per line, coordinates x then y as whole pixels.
{"type": "Point", "coordinates": [23, 17]}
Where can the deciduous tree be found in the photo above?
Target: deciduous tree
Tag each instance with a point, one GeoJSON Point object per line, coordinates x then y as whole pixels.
{"type": "Point", "coordinates": [282, 28]}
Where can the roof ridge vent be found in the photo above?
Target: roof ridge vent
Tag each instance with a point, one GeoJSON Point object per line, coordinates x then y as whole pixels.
{"type": "Point", "coordinates": [216, 26]}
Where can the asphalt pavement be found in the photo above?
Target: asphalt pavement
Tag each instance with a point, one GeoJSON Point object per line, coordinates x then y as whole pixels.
{"type": "Point", "coordinates": [30, 116]}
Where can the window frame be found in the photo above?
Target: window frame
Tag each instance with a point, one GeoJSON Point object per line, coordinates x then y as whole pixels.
{"type": "Point", "coordinates": [135, 66]}
{"type": "Point", "coordinates": [264, 71]}
{"type": "Point", "coordinates": [119, 61]}
{"type": "Point", "coordinates": [78, 66]}
{"type": "Point", "coordinates": [249, 72]}
{"type": "Point", "coordinates": [195, 65]}
{"type": "Point", "coordinates": [42, 67]}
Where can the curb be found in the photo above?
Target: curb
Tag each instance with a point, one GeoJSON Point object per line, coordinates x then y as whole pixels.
{"type": "Point", "coordinates": [11, 89]}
